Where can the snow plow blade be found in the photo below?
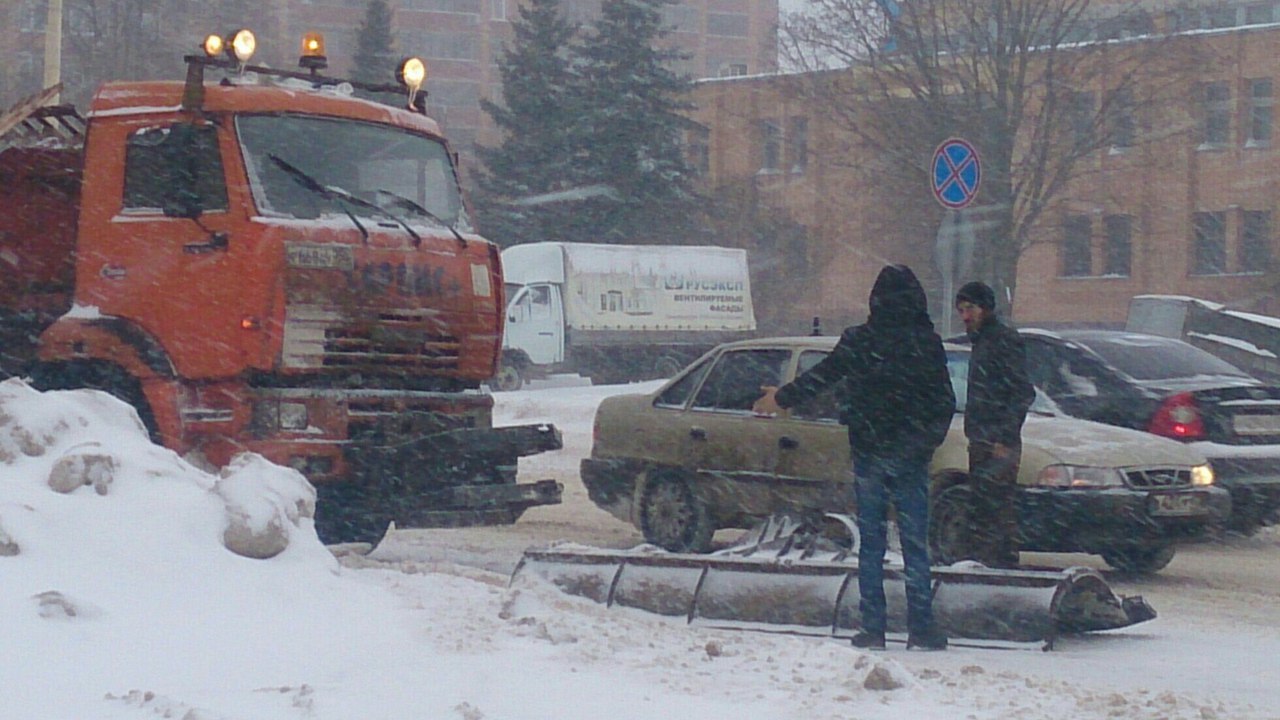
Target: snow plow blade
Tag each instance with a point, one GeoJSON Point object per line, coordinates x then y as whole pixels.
{"type": "Point", "coordinates": [817, 595]}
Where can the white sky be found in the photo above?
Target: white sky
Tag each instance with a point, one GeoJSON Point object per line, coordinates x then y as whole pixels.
{"type": "Point", "coordinates": [158, 619]}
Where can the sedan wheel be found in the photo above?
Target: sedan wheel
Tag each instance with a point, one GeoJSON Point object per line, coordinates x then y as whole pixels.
{"type": "Point", "coordinates": [673, 518]}
{"type": "Point", "coordinates": [1141, 559]}
{"type": "Point", "coordinates": [951, 537]}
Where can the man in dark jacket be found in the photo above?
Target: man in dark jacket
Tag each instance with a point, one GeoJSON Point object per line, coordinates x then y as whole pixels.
{"type": "Point", "coordinates": [897, 401]}
{"type": "Point", "coordinates": [999, 395]}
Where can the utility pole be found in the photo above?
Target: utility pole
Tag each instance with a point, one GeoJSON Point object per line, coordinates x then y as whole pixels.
{"type": "Point", "coordinates": [53, 48]}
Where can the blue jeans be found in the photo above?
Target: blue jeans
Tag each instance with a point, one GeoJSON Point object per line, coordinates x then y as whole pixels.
{"type": "Point", "coordinates": [905, 480]}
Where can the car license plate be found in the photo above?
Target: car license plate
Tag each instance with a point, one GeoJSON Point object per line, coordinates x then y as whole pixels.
{"type": "Point", "coordinates": [1256, 424]}
{"type": "Point", "coordinates": [1177, 504]}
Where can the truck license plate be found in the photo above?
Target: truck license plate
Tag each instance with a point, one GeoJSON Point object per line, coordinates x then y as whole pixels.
{"type": "Point", "coordinates": [1178, 504]}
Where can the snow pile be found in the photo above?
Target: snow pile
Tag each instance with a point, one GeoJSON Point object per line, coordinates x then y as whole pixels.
{"type": "Point", "coordinates": [59, 442]}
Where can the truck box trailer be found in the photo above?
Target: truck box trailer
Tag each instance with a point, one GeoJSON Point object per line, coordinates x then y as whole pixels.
{"type": "Point", "coordinates": [619, 312]}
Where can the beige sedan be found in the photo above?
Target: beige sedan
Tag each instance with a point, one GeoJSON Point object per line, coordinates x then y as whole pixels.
{"type": "Point", "coordinates": [692, 458]}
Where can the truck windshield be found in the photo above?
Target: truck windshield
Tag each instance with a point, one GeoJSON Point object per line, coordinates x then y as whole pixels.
{"type": "Point", "coordinates": [376, 163]}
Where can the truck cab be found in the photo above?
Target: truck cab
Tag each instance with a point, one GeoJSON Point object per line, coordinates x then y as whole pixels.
{"type": "Point", "coordinates": [266, 263]}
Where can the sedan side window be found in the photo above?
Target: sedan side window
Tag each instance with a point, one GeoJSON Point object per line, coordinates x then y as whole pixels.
{"type": "Point", "coordinates": [735, 380]}
{"type": "Point", "coordinates": [678, 394]}
{"type": "Point", "coordinates": [1041, 367]}
{"type": "Point", "coordinates": [826, 405]}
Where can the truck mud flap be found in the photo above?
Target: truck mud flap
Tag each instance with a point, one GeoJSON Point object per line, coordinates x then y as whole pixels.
{"type": "Point", "coordinates": [818, 594]}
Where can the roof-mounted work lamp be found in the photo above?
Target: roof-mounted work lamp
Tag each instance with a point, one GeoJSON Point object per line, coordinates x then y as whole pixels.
{"type": "Point", "coordinates": [412, 73]}
{"type": "Point", "coordinates": [242, 46]}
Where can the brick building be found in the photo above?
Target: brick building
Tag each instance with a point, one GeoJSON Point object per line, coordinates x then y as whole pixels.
{"type": "Point", "coordinates": [1188, 207]}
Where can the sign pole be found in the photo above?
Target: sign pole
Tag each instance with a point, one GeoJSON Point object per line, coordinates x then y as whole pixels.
{"type": "Point", "coordinates": [956, 176]}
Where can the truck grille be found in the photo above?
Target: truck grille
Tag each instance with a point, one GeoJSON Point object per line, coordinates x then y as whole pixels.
{"type": "Point", "coordinates": [1159, 477]}
{"type": "Point", "coordinates": [317, 338]}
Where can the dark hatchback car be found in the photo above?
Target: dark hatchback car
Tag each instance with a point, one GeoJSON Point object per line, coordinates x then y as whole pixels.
{"type": "Point", "coordinates": [1171, 388]}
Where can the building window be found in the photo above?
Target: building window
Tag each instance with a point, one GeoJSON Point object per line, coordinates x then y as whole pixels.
{"type": "Point", "coordinates": [771, 145]}
{"type": "Point", "coordinates": [1210, 251]}
{"type": "Point", "coordinates": [798, 145]}
{"type": "Point", "coordinates": [448, 45]}
{"type": "Point", "coordinates": [1077, 255]}
{"type": "Point", "coordinates": [1260, 102]}
{"type": "Point", "coordinates": [730, 69]}
{"type": "Point", "coordinates": [34, 15]}
{"type": "Point", "coordinates": [728, 25]}
{"type": "Point", "coordinates": [498, 9]}
{"type": "Point", "coordinates": [682, 18]}
{"type": "Point", "coordinates": [1119, 229]}
{"type": "Point", "coordinates": [698, 143]}
{"type": "Point", "coordinates": [1121, 125]}
{"type": "Point", "coordinates": [1257, 14]}
{"type": "Point", "coordinates": [1083, 109]}
{"type": "Point", "coordinates": [1217, 113]}
{"type": "Point", "coordinates": [1223, 16]}
{"type": "Point", "coordinates": [1255, 241]}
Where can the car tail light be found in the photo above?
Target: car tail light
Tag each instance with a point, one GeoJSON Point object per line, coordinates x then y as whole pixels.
{"type": "Point", "coordinates": [1178, 417]}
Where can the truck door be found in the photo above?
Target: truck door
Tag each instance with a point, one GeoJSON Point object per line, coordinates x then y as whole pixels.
{"type": "Point", "coordinates": [177, 264]}
{"type": "Point", "coordinates": [535, 323]}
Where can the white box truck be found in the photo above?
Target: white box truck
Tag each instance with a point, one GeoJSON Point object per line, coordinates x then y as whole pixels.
{"type": "Point", "coordinates": [616, 313]}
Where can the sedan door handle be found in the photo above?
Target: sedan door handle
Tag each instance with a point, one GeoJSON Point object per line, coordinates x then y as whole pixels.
{"type": "Point", "coordinates": [786, 442]}
{"type": "Point", "coordinates": [698, 433]}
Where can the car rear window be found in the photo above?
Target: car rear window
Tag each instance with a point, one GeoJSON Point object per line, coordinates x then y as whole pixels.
{"type": "Point", "coordinates": [1153, 358]}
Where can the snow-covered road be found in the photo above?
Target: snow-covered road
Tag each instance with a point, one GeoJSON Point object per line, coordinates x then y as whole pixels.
{"type": "Point", "coordinates": [1219, 602]}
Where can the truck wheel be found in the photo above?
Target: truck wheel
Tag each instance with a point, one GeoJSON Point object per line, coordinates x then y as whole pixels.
{"type": "Point", "coordinates": [950, 526]}
{"type": "Point", "coordinates": [673, 518]}
{"type": "Point", "coordinates": [97, 376]}
{"type": "Point", "coordinates": [1139, 559]}
{"type": "Point", "coordinates": [508, 379]}
{"type": "Point", "coordinates": [346, 513]}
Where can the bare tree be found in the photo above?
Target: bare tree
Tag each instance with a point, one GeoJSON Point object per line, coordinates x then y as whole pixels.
{"type": "Point", "coordinates": [1037, 86]}
{"type": "Point", "coordinates": [106, 40]}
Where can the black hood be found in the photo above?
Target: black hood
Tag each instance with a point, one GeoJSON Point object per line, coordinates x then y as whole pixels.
{"type": "Point", "coordinates": [898, 299]}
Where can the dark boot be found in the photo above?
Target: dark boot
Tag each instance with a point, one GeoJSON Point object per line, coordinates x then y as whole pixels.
{"type": "Point", "coordinates": [931, 639]}
{"type": "Point", "coordinates": [869, 640]}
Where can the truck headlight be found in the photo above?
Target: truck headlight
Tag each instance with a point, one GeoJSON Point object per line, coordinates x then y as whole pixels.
{"type": "Point", "coordinates": [270, 416]}
{"type": "Point", "coordinates": [1202, 475]}
{"type": "Point", "coordinates": [1079, 476]}
{"type": "Point", "coordinates": [293, 416]}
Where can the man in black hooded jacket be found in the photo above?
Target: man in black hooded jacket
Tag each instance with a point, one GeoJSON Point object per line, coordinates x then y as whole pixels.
{"type": "Point", "coordinates": [996, 403]}
{"type": "Point", "coordinates": [897, 401]}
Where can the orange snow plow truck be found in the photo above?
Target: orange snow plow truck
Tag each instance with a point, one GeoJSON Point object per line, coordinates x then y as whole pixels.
{"type": "Point", "coordinates": [260, 261]}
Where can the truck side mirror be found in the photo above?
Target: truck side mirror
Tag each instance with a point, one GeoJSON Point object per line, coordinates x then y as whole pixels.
{"type": "Point", "coordinates": [182, 153]}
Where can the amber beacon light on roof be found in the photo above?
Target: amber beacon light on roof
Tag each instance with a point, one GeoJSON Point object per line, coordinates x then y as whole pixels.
{"type": "Point", "coordinates": [233, 51]}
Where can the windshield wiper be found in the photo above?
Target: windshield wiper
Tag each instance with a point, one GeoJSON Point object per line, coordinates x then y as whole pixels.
{"type": "Point", "coordinates": [405, 202]}
{"type": "Point", "coordinates": [336, 193]}
{"type": "Point", "coordinates": [310, 183]}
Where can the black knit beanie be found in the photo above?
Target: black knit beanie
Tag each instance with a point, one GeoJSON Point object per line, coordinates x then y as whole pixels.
{"type": "Point", "coordinates": [978, 293]}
